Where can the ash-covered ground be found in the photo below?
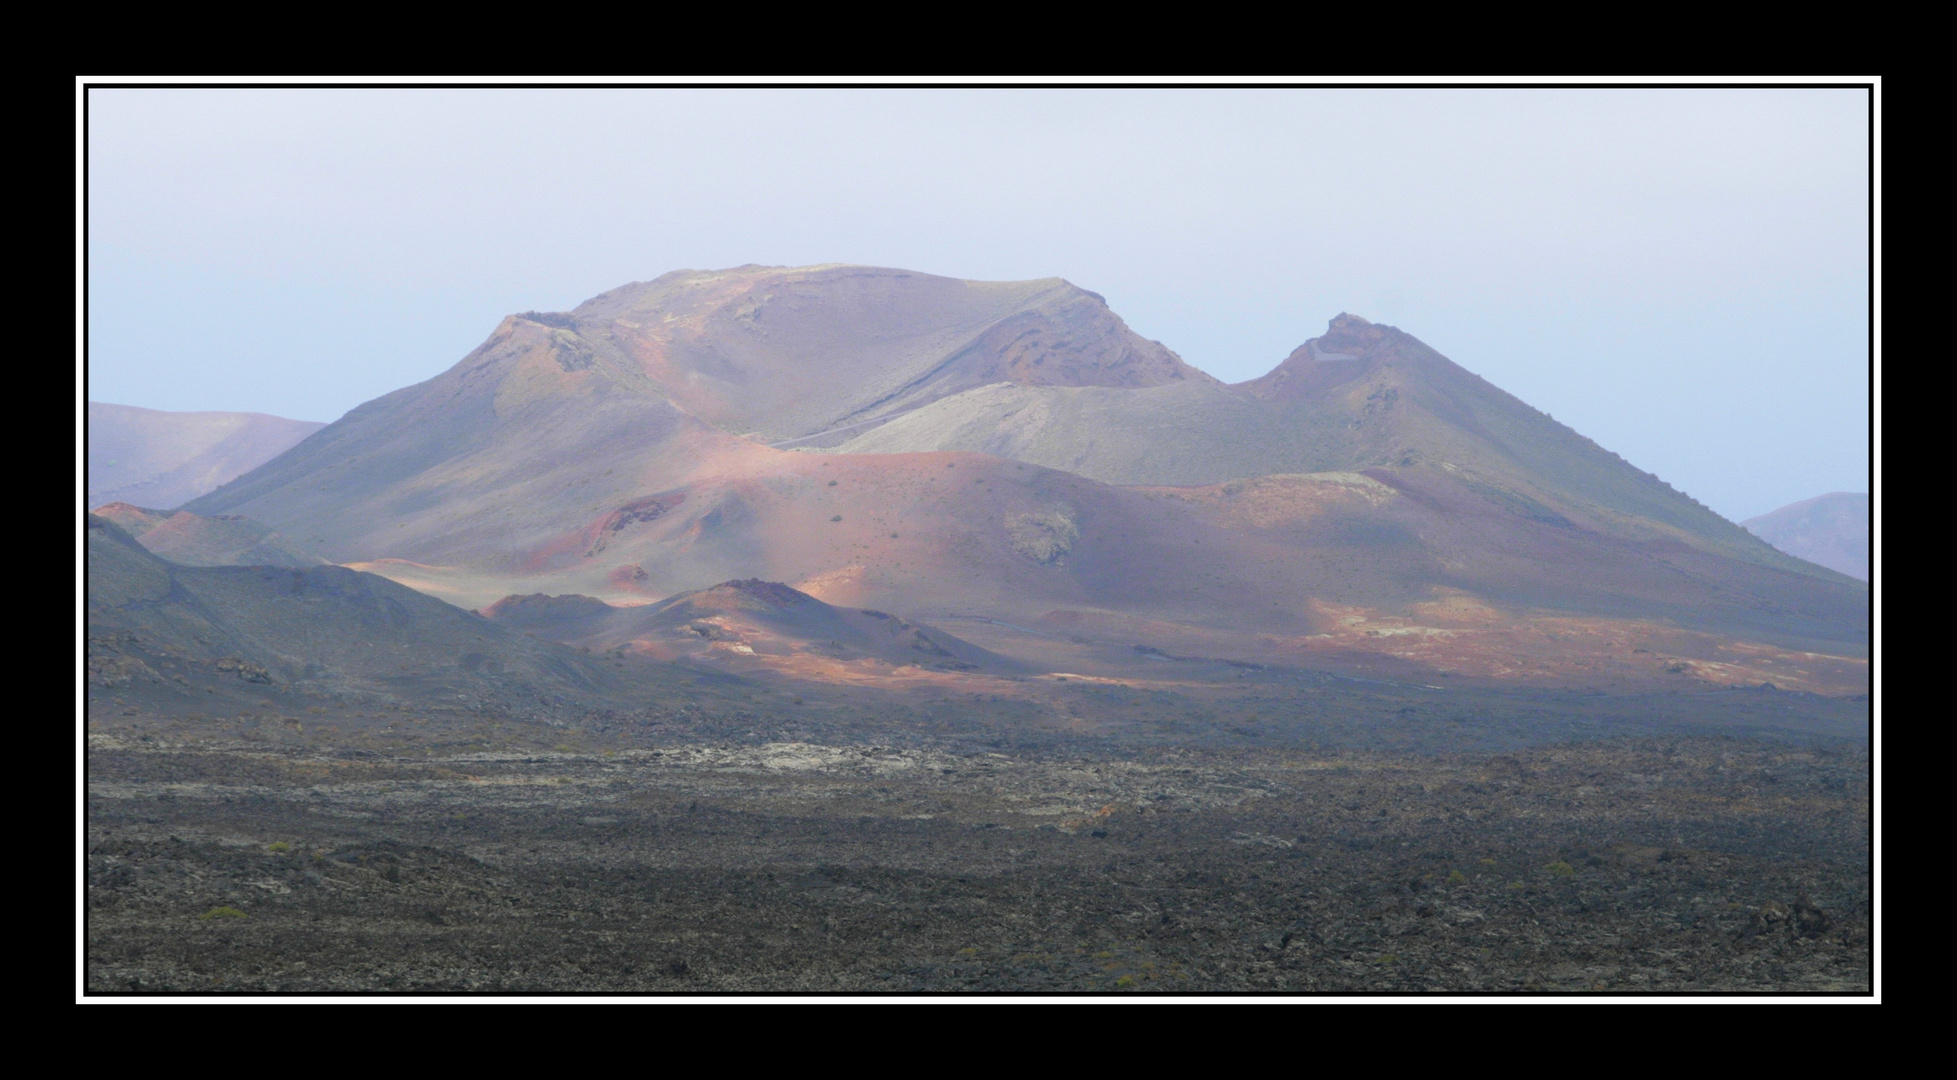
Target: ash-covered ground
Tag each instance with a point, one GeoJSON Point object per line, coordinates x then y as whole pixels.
{"type": "Point", "coordinates": [394, 851]}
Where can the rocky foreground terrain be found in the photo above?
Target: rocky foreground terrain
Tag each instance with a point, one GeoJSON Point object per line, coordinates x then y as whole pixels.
{"type": "Point", "coordinates": [393, 851]}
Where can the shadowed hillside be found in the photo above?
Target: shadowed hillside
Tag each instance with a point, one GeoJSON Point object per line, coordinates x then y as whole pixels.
{"type": "Point", "coordinates": [179, 636]}
{"type": "Point", "coordinates": [804, 356]}
{"type": "Point", "coordinates": [739, 619]}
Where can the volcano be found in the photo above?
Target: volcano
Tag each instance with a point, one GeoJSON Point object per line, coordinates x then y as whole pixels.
{"type": "Point", "coordinates": [1012, 452]}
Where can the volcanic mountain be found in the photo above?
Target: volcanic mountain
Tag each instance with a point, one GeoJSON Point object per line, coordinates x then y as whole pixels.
{"type": "Point", "coordinates": [154, 458]}
{"type": "Point", "coordinates": [564, 429]}
{"type": "Point", "coordinates": [1012, 452]}
{"type": "Point", "coordinates": [1828, 530]}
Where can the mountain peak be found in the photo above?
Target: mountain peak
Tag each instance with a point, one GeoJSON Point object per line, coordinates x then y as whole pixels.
{"type": "Point", "coordinates": [1350, 333]}
{"type": "Point", "coordinates": [150, 458]}
{"type": "Point", "coordinates": [771, 594]}
{"type": "Point", "coordinates": [1349, 347]}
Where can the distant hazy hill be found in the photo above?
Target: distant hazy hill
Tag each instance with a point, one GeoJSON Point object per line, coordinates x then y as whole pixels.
{"type": "Point", "coordinates": [1020, 452]}
{"type": "Point", "coordinates": [165, 459]}
{"type": "Point", "coordinates": [1829, 530]}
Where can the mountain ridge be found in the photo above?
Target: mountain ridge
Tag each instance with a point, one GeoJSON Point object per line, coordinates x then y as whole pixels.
{"type": "Point", "coordinates": [1361, 396]}
{"type": "Point", "coordinates": [708, 337]}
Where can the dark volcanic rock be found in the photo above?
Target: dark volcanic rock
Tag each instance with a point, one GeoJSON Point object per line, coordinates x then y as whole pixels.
{"type": "Point", "coordinates": [538, 611]}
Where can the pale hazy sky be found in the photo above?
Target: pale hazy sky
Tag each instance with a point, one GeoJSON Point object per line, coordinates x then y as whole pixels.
{"type": "Point", "coordinates": [1679, 274]}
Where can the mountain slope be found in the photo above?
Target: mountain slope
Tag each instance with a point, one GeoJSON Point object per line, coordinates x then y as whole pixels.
{"type": "Point", "coordinates": [324, 630]}
{"type": "Point", "coordinates": [1828, 530]}
{"type": "Point", "coordinates": [189, 539]}
{"type": "Point", "coordinates": [1361, 396]}
{"type": "Point", "coordinates": [153, 458]}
